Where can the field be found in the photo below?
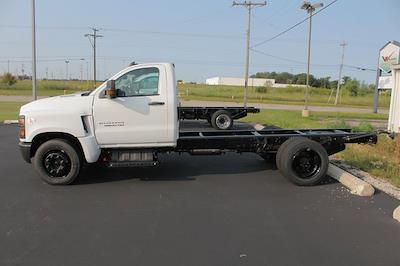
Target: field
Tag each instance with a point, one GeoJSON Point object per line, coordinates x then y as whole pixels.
{"type": "Point", "coordinates": [293, 119]}
{"type": "Point", "coordinates": [9, 110]}
{"type": "Point", "coordinates": [289, 95]}
{"type": "Point", "coordinates": [45, 87]}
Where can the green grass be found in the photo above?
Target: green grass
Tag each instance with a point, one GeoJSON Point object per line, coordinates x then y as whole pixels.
{"type": "Point", "coordinates": [381, 160]}
{"type": "Point", "coordinates": [45, 87]}
{"type": "Point", "coordinates": [9, 110]}
{"type": "Point", "coordinates": [289, 95]}
{"type": "Point", "coordinates": [293, 119]}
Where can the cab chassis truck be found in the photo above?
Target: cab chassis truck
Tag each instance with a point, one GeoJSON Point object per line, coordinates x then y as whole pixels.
{"type": "Point", "coordinates": [127, 122]}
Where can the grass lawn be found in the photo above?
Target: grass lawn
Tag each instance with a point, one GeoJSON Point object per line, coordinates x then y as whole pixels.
{"type": "Point", "coordinates": [293, 119]}
{"type": "Point", "coordinates": [9, 110]}
{"type": "Point", "coordinates": [289, 95]}
{"type": "Point", "coordinates": [46, 87]}
{"type": "Point", "coordinates": [381, 160]}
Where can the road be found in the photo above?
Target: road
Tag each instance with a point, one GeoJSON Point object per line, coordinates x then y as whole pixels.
{"type": "Point", "coordinates": [271, 106]}
{"type": "Point", "coordinates": [224, 210]}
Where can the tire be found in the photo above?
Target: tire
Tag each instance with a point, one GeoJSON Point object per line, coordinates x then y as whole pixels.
{"type": "Point", "coordinates": [304, 162]}
{"type": "Point", "coordinates": [222, 120]}
{"type": "Point", "coordinates": [57, 161]}
{"type": "Point", "coordinates": [282, 148]}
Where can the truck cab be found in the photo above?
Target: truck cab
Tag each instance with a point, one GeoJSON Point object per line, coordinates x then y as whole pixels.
{"type": "Point", "coordinates": [141, 113]}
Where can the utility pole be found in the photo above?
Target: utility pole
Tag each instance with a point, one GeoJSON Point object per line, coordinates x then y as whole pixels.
{"type": "Point", "coordinates": [248, 5]}
{"type": "Point", "coordinates": [343, 44]}
{"type": "Point", "coordinates": [94, 35]}
{"type": "Point", "coordinates": [310, 8]}
{"type": "Point", "coordinates": [8, 66]}
{"type": "Point", "coordinates": [33, 52]}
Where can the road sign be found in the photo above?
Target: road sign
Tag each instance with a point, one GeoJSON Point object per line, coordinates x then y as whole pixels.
{"type": "Point", "coordinates": [388, 56]}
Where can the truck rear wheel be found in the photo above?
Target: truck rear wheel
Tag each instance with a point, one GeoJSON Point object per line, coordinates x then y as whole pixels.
{"type": "Point", "coordinates": [222, 120]}
{"type": "Point", "coordinates": [304, 162]}
{"type": "Point", "coordinates": [57, 162]}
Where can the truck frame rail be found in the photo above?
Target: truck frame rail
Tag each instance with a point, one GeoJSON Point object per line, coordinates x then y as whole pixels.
{"type": "Point", "coordinates": [269, 140]}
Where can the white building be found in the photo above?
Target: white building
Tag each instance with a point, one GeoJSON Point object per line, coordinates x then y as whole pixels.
{"type": "Point", "coordinates": [253, 82]}
{"type": "Point", "coordinates": [230, 81]}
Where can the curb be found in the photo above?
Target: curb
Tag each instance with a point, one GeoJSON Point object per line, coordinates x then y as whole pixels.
{"type": "Point", "coordinates": [9, 122]}
{"type": "Point", "coordinates": [396, 214]}
{"type": "Point", "coordinates": [356, 185]}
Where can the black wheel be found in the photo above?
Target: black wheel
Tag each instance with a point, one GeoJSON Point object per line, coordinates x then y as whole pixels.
{"type": "Point", "coordinates": [304, 162]}
{"type": "Point", "coordinates": [221, 120]}
{"type": "Point", "coordinates": [282, 148]}
{"type": "Point", "coordinates": [57, 162]}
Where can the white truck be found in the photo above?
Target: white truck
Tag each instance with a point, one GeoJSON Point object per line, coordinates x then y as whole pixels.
{"type": "Point", "coordinates": [130, 119]}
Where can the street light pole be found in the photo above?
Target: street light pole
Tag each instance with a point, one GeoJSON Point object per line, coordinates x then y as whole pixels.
{"type": "Point", "coordinates": [308, 64]}
{"type": "Point", "coordinates": [310, 9]}
{"type": "Point", "coordinates": [249, 5]}
{"type": "Point", "coordinates": [33, 52]}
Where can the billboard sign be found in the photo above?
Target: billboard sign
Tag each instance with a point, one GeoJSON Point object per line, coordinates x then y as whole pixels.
{"type": "Point", "coordinates": [388, 56]}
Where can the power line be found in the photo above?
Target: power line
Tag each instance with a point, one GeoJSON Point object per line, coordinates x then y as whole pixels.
{"type": "Point", "coordinates": [290, 60]}
{"type": "Point", "coordinates": [361, 68]}
{"type": "Point", "coordinates": [182, 34]}
{"type": "Point", "coordinates": [294, 26]}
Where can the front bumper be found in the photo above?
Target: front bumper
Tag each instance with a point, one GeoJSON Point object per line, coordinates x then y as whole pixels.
{"type": "Point", "coordinates": [25, 148]}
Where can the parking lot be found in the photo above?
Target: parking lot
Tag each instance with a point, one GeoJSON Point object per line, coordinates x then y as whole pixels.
{"type": "Point", "coordinates": [221, 210]}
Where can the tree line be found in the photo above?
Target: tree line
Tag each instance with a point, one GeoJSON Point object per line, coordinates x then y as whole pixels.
{"type": "Point", "coordinates": [350, 85]}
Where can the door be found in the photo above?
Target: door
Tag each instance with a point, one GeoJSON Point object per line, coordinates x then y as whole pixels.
{"type": "Point", "coordinates": [138, 115]}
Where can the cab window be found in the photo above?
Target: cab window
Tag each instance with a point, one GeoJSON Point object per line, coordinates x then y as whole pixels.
{"type": "Point", "coordinates": [138, 82]}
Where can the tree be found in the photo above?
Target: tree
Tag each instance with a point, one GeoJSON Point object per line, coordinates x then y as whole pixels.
{"type": "Point", "coordinates": [8, 79]}
{"type": "Point", "coordinates": [351, 86]}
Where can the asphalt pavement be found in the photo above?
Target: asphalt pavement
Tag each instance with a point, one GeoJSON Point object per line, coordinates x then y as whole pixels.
{"type": "Point", "coordinates": [200, 210]}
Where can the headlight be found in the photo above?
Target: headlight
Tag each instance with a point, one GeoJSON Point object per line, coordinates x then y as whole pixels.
{"type": "Point", "coordinates": [21, 124]}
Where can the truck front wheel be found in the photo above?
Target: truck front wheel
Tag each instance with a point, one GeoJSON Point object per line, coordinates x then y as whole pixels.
{"type": "Point", "coordinates": [304, 162]}
{"type": "Point", "coordinates": [57, 162]}
{"type": "Point", "coordinates": [221, 120]}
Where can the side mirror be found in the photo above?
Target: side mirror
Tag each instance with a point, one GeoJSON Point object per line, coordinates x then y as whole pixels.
{"type": "Point", "coordinates": [110, 89]}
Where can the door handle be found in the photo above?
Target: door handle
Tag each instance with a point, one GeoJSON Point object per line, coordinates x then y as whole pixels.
{"type": "Point", "coordinates": [156, 103]}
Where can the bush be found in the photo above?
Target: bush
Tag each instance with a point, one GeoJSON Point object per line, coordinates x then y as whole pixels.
{"type": "Point", "coordinates": [364, 127]}
{"type": "Point", "coordinates": [261, 89]}
{"type": "Point", "coordinates": [8, 79]}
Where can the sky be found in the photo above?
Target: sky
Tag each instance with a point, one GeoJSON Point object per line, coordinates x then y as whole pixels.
{"type": "Point", "coordinates": [202, 38]}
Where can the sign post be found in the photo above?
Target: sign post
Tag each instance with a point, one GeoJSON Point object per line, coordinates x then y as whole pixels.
{"type": "Point", "coordinates": [394, 111]}
{"type": "Point", "coordinates": [389, 54]}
